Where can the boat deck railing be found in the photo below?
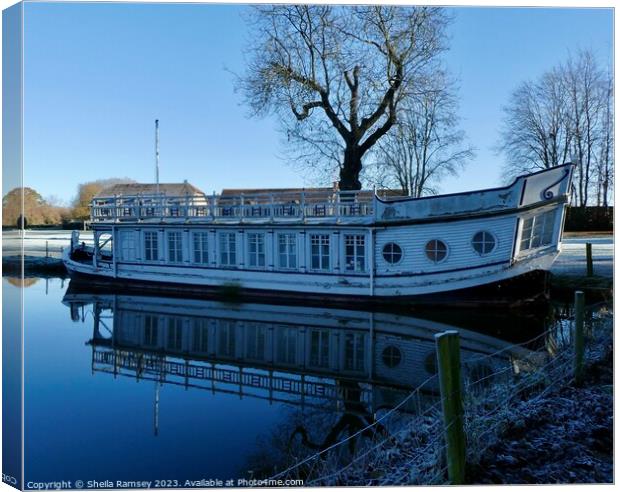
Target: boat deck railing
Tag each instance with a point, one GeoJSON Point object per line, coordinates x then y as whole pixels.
{"type": "Point", "coordinates": [255, 207]}
{"type": "Point", "coordinates": [217, 377]}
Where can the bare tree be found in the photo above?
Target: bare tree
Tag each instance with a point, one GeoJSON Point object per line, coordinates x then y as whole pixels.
{"type": "Point", "coordinates": [536, 133]}
{"type": "Point", "coordinates": [584, 84]}
{"type": "Point", "coordinates": [426, 143]}
{"type": "Point", "coordinates": [336, 75]}
{"type": "Point", "coordinates": [566, 114]}
{"type": "Point", "coordinates": [604, 158]}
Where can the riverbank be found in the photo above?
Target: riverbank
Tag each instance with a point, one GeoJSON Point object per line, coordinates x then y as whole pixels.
{"type": "Point", "coordinates": [34, 266]}
{"type": "Point", "coordinates": [526, 422]}
{"type": "Point", "coordinates": [565, 436]}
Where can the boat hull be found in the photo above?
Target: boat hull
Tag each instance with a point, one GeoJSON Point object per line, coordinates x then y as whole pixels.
{"type": "Point", "coordinates": [527, 289]}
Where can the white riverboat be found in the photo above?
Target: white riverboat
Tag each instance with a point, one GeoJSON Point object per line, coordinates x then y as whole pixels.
{"type": "Point", "coordinates": [327, 244]}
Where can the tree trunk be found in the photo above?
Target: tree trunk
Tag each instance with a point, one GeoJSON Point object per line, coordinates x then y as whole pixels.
{"type": "Point", "coordinates": [351, 168]}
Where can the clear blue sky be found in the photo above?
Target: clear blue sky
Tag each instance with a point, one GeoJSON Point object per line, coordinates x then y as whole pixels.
{"type": "Point", "coordinates": [97, 76]}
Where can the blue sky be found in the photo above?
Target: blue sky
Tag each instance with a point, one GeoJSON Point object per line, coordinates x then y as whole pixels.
{"type": "Point", "coordinates": [97, 76]}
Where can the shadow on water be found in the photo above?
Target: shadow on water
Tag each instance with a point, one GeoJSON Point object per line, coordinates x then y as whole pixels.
{"type": "Point", "coordinates": [335, 370]}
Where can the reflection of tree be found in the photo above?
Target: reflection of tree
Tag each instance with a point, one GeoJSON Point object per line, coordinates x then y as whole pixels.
{"type": "Point", "coordinates": [22, 282]}
{"type": "Point", "coordinates": [312, 430]}
{"type": "Point", "coordinates": [354, 418]}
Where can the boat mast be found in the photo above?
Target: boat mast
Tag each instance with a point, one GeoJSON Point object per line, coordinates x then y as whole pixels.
{"type": "Point", "coordinates": [157, 156]}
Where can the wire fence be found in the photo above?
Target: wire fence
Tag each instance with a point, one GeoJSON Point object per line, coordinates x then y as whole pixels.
{"type": "Point", "coordinates": [408, 447]}
{"type": "Point", "coordinates": [330, 464]}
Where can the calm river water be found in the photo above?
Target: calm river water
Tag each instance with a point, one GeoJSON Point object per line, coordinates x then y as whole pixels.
{"type": "Point", "coordinates": [123, 387]}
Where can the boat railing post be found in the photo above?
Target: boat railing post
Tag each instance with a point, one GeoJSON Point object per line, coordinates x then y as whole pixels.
{"type": "Point", "coordinates": [95, 248]}
{"type": "Point", "coordinates": [272, 212]}
{"type": "Point", "coordinates": [241, 207]}
{"type": "Point", "coordinates": [338, 204]}
{"type": "Point", "coordinates": [303, 204]}
{"type": "Point", "coordinates": [213, 205]}
{"type": "Point", "coordinates": [115, 209]}
{"type": "Point", "coordinates": [186, 205]}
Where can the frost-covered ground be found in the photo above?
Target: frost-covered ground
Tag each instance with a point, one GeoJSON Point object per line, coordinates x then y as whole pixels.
{"type": "Point", "coordinates": [572, 259]}
{"type": "Point", "coordinates": [35, 242]}
{"type": "Point", "coordinates": [541, 428]}
{"type": "Point", "coordinates": [565, 437]}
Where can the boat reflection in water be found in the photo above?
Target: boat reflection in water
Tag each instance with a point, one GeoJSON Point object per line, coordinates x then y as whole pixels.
{"type": "Point", "coordinates": [350, 364]}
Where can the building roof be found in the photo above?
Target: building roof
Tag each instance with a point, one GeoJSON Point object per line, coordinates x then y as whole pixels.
{"type": "Point", "coordinates": [233, 192]}
{"type": "Point", "coordinates": [261, 191]}
{"type": "Point", "coordinates": [170, 189]}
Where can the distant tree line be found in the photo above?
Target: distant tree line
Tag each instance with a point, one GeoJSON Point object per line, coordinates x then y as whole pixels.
{"type": "Point", "coordinates": [565, 115]}
{"type": "Point", "coordinates": [39, 211]}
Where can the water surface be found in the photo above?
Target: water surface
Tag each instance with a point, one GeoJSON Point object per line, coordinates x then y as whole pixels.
{"type": "Point", "coordinates": [124, 387]}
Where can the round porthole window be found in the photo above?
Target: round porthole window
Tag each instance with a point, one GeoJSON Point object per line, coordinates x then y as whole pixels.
{"type": "Point", "coordinates": [392, 253]}
{"type": "Point", "coordinates": [483, 242]}
{"type": "Point", "coordinates": [436, 250]}
{"type": "Point", "coordinates": [391, 356]}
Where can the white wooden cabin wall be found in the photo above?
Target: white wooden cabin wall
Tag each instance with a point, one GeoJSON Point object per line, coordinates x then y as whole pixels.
{"type": "Point", "coordinates": [456, 235]}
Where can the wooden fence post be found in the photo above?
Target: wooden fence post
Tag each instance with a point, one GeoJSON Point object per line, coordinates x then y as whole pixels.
{"type": "Point", "coordinates": [589, 265]}
{"type": "Point", "coordinates": [578, 337]}
{"type": "Point", "coordinates": [449, 367]}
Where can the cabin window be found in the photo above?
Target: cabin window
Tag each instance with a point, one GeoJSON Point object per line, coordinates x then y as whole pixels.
{"type": "Point", "coordinates": [201, 336]}
{"type": "Point", "coordinates": [255, 341]}
{"type": "Point", "coordinates": [175, 246]}
{"type": "Point", "coordinates": [354, 345]}
{"type": "Point", "coordinates": [483, 242]}
{"type": "Point", "coordinates": [175, 334]}
{"type": "Point", "coordinates": [538, 230]}
{"type": "Point", "coordinates": [201, 247]}
{"type": "Point", "coordinates": [392, 253]}
{"type": "Point", "coordinates": [228, 249]}
{"type": "Point", "coordinates": [128, 245]}
{"type": "Point", "coordinates": [391, 356]}
{"type": "Point", "coordinates": [286, 345]}
{"type": "Point", "coordinates": [151, 252]}
{"type": "Point", "coordinates": [256, 249]}
{"type": "Point", "coordinates": [287, 251]}
{"type": "Point", "coordinates": [436, 250]}
{"type": "Point", "coordinates": [319, 251]}
{"type": "Point", "coordinates": [319, 348]}
{"type": "Point", "coordinates": [226, 338]}
{"type": "Point", "coordinates": [355, 252]}
{"type": "Point", "coordinates": [150, 330]}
